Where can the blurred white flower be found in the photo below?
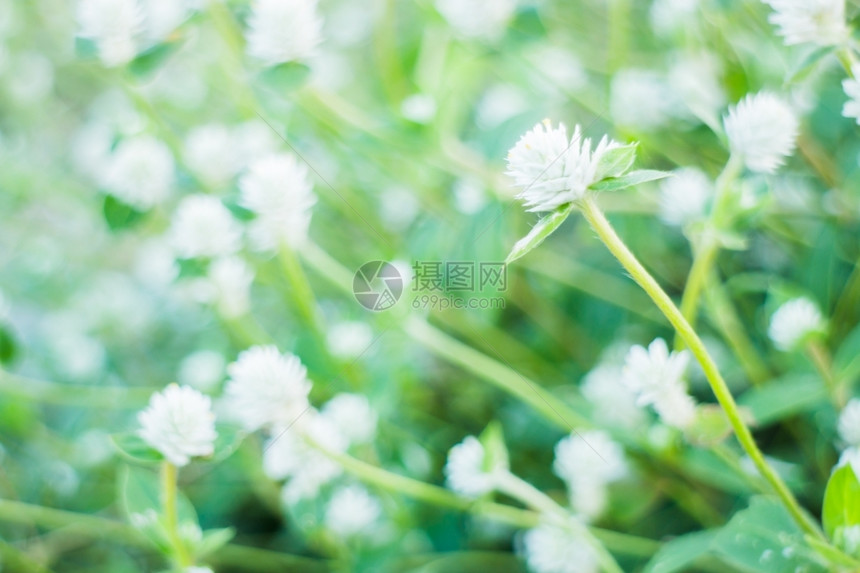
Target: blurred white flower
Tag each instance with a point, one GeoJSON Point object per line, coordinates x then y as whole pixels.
{"type": "Point", "coordinates": [819, 22]}
{"type": "Point", "coordinates": [852, 90]}
{"type": "Point", "coordinates": [203, 227]}
{"type": "Point", "coordinates": [278, 190]}
{"type": "Point", "coordinates": [349, 339]}
{"type": "Point", "coordinates": [655, 376]}
{"type": "Point", "coordinates": [849, 423]}
{"type": "Point", "coordinates": [762, 130]}
{"type": "Point", "coordinates": [553, 170]}
{"type": "Point", "coordinates": [179, 423]}
{"type": "Point", "coordinates": [140, 172]}
{"type": "Point", "coordinates": [561, 66]}
{"type": "Point", "coordinates": [352, 511]}
{"type": "Point", "coordinates": [466, 469]}
{"type": "Point", "coordinates": [793, 322]}
{"type": "Point", "coordinates": [684, 196]}
{"type": "Point", "coordinates": [614, 403]}
{"type": "Point", "coordinates": [267, 388]}
{"type": "Point", "coordinates": [480, 19]}
{"type": "Point", "coordinates": [231, 279]}
{"type": "Point", "coordinates": [469, 196]}
{"type": "Point", "coordinates": [642, 100]}
{"type": "Point", "coordinates": [550, 548]}
{"type": "Point", "coordinates": [587, 462]}
{"type": "Point", "coordinates": [500, 103]}
{"type": "Point", "coordinates": [420, 108]}
{"type": "Point", "coordinates": [210, 152]}
{"type": "Point", "coordinates": [30, 78]}
{"type": "Point", "coordinates": [251, 140]}
{"type": "Point", "coordinates": [288, 455]}
{"type": "Point", "coordinates": [161, 17]}
{"type": "Point", "coordinates": [353, 416]}
{"type": "Point", "coordinates": [197, 569]}
{"type": "Point", "coordinates": [202, 369]}
{"type": "Point", "coordinates": [112, 25]}
{"type": "Point", "coordinates": [671, 16]}
{"type": "Point", "coordinates": [283, 30]}
{"type": "Point", "coordinates": [155, 263]}
{"type": "Point", "coordinates": [695, 78]}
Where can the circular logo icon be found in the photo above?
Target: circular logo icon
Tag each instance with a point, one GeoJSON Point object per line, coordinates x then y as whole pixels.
{"type": "Point", "coordinates": [377, 285]}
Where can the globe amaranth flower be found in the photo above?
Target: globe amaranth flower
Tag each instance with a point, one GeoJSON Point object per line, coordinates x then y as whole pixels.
{"type": "Point", "coordinates": [203, 227]}
{"type": "Point", "coordinates": [684, 196]}
{"type": "Point", "coordinates": [793, 322]}
{"type": "Point", "coordinates": [614, 403]}
{"type": "Point", "coordinates": [761, 130]}
{"type": "Point", "coordinates": [587, 463]}
{"type": "Point", "coordinates": [230, 279]}
{"type": "Point", "coordinates": [267, 388]}
{"type": "Point", "coordinates": [557, 548]}
{"type": "Point", "coordinates": [656, 377]}
{"type": "Point", "coordinates": [819, 22]}
{"type": "Point", "coordinates": [553, 169]}
{"type": "Point", "coordinates": [852, 90]}
{"type": "Point", "coordinates": [353, 415]}
{"type": "Point", "coordinates": [278, 190]}
{"type": "Point", "coordinates": [140, 172]}
{"type": "Point", "coordinates": [282, 31]}
{"type": "Point", "coordinates": [466, 470]}
{"type": "Point", "coordinates": [179, 423]}
{"type": "Point", "coordinates": [112, 25]}
{"type": "Point", "coordinates": [480, 19]}
{"type": "Point", "coordinates": [352, 511]}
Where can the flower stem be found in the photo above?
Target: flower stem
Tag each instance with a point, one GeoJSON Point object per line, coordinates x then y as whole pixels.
{"type": "Point", "coordinates": [181, 556]}
{"type": "Point", "coordinates": [721, 391]}
{"type": "Point", "coordinates": [820, 357]}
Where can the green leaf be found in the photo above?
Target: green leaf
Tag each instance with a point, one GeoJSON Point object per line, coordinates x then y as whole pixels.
{"type": "Point", "coordinates": [284, 78]}
{"type": "Point", "coordinates": [807, 64]}
{"type": "Point", "coordinates": [213, 540]}
{"type": "Point", "coordinates": [841, 501]}
{"type": "Point", "coordinates": [765, 539]}
{"type": "Point", "coordinates": [135, 450]}
{"type": "Point", "coordinates": [832, 554]}
{"type": "Point", "coordinates": [151, 59]}
{"type": "Point", "coordinates": [629, 180]}
{"type": "Point", "coordinates": [539, 232]}
{"type": "Point", "coordinates": [495, 450]}
{"type": "Point", "coordinates": [782, 398]}
{"type": "Point", "coordinates": [119, 215]}
{"type": "Point", "coordinates": [616, 161]}
{"type": "Point", "coordinates": [8, 345]}
{"type": "Point", "coordinates": [678, 554]}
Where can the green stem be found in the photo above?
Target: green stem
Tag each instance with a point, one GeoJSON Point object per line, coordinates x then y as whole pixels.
{"type": "Point", "coordinates": [79, 395]}
{"type": "Point", "coordinates": [435, 495]}
{"type": "Point", "coordinates": [181, 556]}
{"type": "Point", "coordinates": [98, 528]}
{"type": "Point", "coordinates": [721, 391]}
{"type": "Point", "coordinates": [703, 261]}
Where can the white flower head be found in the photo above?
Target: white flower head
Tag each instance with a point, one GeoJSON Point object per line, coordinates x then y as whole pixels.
{"type": "Point", "coordinates": [696, 79]}
{"type": "Point", "coordinates": [267, 388]}
{"type": "Point", "coordinates": [851, 456]}
{"type": "Point", "coordinates": [353, 416]}
{"type": "Point", "coordinates": [203, 227]}
{"type": "Point", "coordinates": [352, 511]}
{"type": "Point", "coordinates": [819, 22]}
{"type": "Point", "coordinates": [761, 129]}
{"type": "Point", "coordinates": [202, 369]}
{"type": "Point", "coordinates": [849, 423]}
{"type": "Point", "coordinates": [210, 152]}
{"type": "Point", "coordinates": [112, 25]}
{"type": "Point", "coordinates": [656, 377]}
{"type": "Point", "coordinates": [684, 196]}
{"type": "Point", "coordinates": [671, 16]}
{"type": "Point", "coordinates": [230, 279]}
{"type": "Point", "coordinates": [466, 469]}
{"type": "Point", "coordinates": [641, 99]}
{"type": "Point", "coordinates": [140, 172]}
{"type": "Point", "coordinates": [283, 30]}
{"type": "Point", "coordinates": [587, 463]}
{"type": "Point", "coordinates": [793, 322]}
{"type": "Point", "coordinates": [278, 190]}
{"type": "Point", "coordinates": [852, 90]}
{"type": "Point", "coordinates": [553, 170]}
{"type": "Point", "coordinates": [179, 423]}
{"type": "Point", "coordinates": [349, 339]}
{"type": "Point", "coordinates": [289, 456]}
{"type": "Point", "coordinates": [480, 19]}
{"type": "Point", "coordinates": [614, 403]}
{"type": "Point", "coordinates": [551, 548]}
